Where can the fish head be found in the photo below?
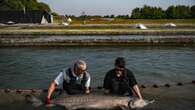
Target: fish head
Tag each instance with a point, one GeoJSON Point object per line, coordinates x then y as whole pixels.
{"type": "Point", "coordinates": [138, 103]}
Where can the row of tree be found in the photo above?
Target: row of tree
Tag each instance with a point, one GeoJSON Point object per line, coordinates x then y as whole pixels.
{"type": "Point", "coordinates": [23, 5]}
{"type": "Point", "coordinates": [172, 12]}
{"type": "Point", "coordinates": [148, 12]}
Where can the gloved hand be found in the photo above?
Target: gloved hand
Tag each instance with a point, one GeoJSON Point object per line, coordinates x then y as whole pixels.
{"type": "Point", "coordinates": [47, 100]}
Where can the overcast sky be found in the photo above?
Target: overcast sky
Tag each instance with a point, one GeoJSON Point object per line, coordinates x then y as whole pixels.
{"type": "Point", "coordinates": [108, 7]}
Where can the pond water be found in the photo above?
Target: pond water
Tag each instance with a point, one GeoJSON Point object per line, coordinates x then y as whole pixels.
{"type": "Point", "coordinates": [36, 67]}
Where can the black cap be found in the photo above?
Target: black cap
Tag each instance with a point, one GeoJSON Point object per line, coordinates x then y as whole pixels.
{"type": "Point", "coordinates": [120, 62]}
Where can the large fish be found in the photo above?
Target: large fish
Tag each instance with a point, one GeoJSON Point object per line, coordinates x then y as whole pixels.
{"type": "Point", "coordinates": [72, 102]}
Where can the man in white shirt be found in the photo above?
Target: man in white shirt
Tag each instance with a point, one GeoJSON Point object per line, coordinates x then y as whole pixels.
{"type": "Point", "coordinates": [75, 80]}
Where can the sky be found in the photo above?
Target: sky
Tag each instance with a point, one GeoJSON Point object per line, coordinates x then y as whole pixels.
{"type": "Point", "coordinates": [107, 7]}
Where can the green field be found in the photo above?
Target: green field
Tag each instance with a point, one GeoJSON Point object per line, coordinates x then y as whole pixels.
{"type": "Point", "coordinates": [104, 27]}
{"type": "Point", "coordinates": [128, 21]}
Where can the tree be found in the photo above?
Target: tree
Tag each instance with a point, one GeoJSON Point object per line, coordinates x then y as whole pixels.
{"type": "Point", "coordinates": [112, 16]}
{"type": "Point", "coordinates": [172, 12]}
{"type": "Point", "coordinates": [11, 4]}
{"type": "Point", "coordinates": [23, 4]}
{"type": "Point", "coordinates": [193, 11]}
{"type": "Point", "coordinates": [178, 12]}
{"type": "Point", "coordinates": [158, 13]}
{"type": "Point", "coordinates": [55, 14]}
{"type": "Point", "coordinates": [123, 16]}
{"type": "Point", "coordinates": [136, 13]}
{"type": "Point", "coordinates": [148, 12]}
{"type": "Point", "coordinates": [43, 6]}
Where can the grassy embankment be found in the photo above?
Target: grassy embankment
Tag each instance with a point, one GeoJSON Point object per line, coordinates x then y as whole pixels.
{"type": "Point", "coordinates": [18, 33]}
{"type": "Point", "coordinates": [128, 21]}
{"type": "Point", "coordinates": [105, 27]}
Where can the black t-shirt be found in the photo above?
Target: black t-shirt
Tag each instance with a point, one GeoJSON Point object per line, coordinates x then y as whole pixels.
{"type": "Point", "coordinates": [110, 75]}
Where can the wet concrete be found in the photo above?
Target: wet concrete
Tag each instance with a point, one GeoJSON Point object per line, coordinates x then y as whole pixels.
{"type": "Point", "coordinates": [17, 41]}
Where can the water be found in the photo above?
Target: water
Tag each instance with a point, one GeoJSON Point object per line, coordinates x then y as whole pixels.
{"type": "Point", "coordinates": [36, 67]}
{"type": "Point", "coordinates": [122, 37]}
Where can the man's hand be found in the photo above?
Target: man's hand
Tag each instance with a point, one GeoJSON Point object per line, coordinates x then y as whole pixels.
{"type": "Point", "coordinates": [106, 91]}
{"type": "Point", "coordinates": [137, 91]}
{"type": "Point", "coordinates": [87, 91]}
{"type": "Point", "coordinates": [47, 100]}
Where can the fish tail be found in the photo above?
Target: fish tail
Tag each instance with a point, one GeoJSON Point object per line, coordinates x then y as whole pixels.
{"type": "Point", "coordinates": [33, 100]}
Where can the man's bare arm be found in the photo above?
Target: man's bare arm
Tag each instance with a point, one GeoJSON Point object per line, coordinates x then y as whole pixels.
{"type": "Point", "coordinates": [51, 89]}
{"type": "Point", "coordinates": [137, 91]}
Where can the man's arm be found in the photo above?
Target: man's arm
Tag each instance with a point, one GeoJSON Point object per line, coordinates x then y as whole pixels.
{"type": "Point", "coordinates": [133, 84]}
{"type": "Point", "coordinates": [58, 80]}
{"type": "Point", "coordinates": [106, 84]}
{"type": "Point", "coordinates": [87, 84]}
{"type": "Point", "coordinates": [137, 91]}
{"type": "Point", "coordinates": [51, 89]}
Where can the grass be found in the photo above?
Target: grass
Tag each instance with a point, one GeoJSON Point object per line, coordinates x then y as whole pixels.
{"type": "Point", "coordinates": [103, 26]}
{"type": "Point", "coordinates": [129, 21]}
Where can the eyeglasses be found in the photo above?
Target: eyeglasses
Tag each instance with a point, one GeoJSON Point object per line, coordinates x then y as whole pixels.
{"type": "Point", "coordinates": [119, 69]}
{"type": "Point", "coordinates": [81, 71]}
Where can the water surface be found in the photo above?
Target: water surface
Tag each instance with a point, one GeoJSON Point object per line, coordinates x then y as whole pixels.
{"type": "Point", "coordinates": [36, 67]}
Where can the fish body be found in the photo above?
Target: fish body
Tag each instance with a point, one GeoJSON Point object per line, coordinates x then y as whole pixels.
{"type": "Point", "coordinates": [93, 101]}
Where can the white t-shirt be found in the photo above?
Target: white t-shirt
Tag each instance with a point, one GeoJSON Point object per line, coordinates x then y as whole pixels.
{"type": "Point", "coordinates": [63, 76]}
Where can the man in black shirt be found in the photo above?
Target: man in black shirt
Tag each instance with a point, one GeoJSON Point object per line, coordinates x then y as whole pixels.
{"type": "Point", "coordinates": [121, 80]}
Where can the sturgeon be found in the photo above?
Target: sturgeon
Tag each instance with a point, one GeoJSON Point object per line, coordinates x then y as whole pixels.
{"type": "Point", "coordinates": [73, 102]}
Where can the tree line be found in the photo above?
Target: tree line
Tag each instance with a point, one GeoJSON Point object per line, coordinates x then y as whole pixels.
{"type": "Point", "coordinates": [23, 5]}
{"type": "Point", "coordinates": [172, 12]}
{"type": "Point", "coordinates": [149, 12]}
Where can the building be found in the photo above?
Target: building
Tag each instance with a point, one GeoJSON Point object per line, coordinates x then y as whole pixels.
{"type": "Point", "coordinates": [32, 16]}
